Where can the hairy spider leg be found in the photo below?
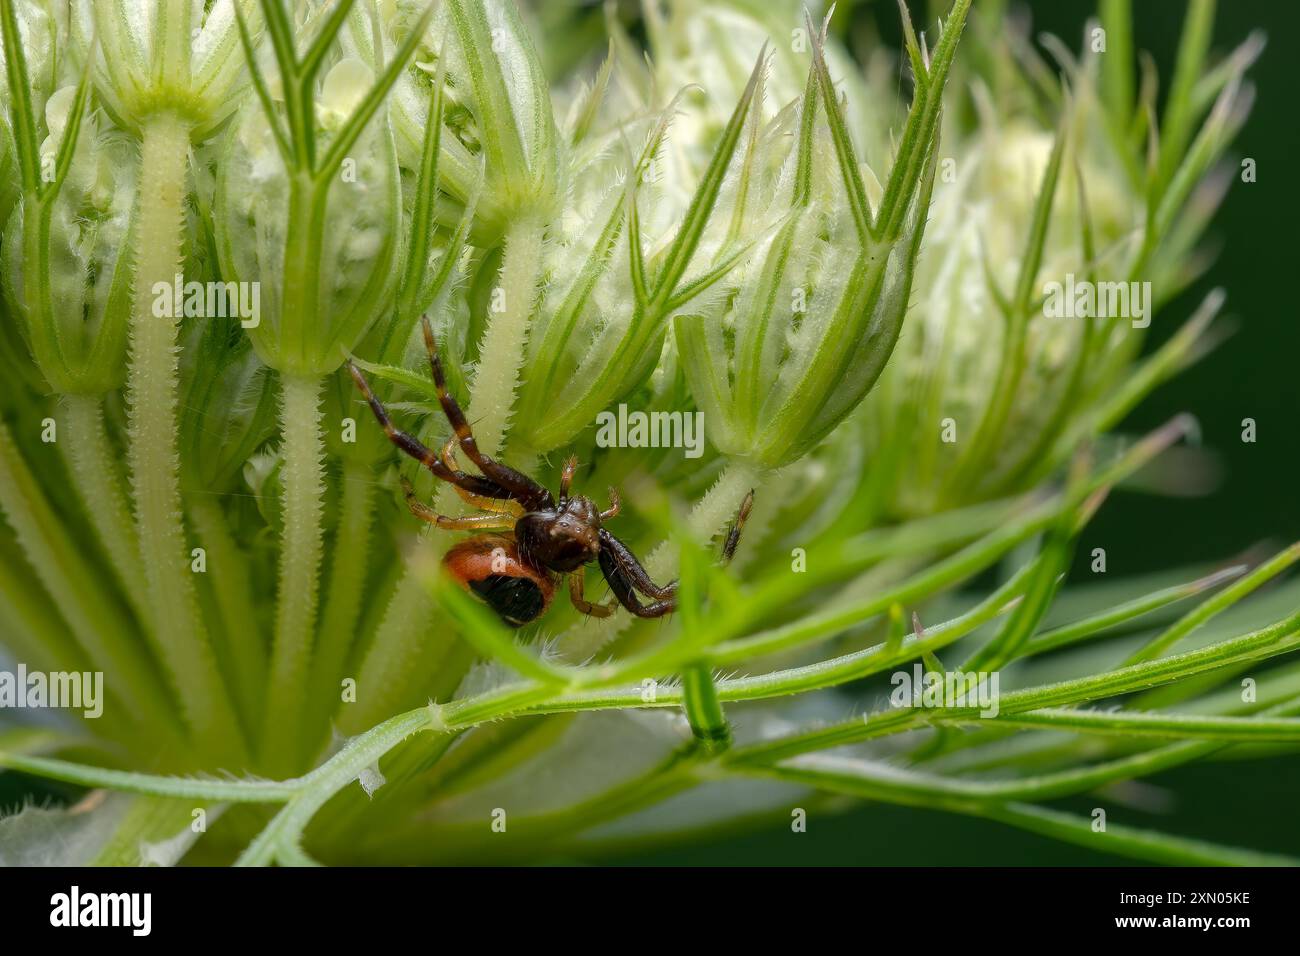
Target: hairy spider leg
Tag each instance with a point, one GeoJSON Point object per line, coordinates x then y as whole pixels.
{"type": "Point", "coordinates": [498, 505]}
{"type": "Point", "coordinates": [566, 477]}
{"type": "Point", "coordinates": [474, 484]}
{"type": "Point", "coordinates": [582, 604]}
{"type": "Point", "coordinates": [733, 535]}
{"type": "Point", "coordinates": [487, 522]}
{"type": "Point", "coordinates": [532, 495]}
{"type": "Point", "coordinates": [615, 506]}
{"type": "Point", "coordinates": [621, 570]}
{"type": "Point", "coordinates": [626, 576]}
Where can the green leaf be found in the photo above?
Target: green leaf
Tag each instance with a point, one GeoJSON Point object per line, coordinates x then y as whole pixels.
{"type": "Point", "coordinates": [1099, 624]}
{"type": "Point", "coordinates": [1215, 604]}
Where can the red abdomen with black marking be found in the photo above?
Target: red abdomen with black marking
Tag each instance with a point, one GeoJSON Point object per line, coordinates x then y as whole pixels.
{"type": "Point", "coordinates": [489, 566]}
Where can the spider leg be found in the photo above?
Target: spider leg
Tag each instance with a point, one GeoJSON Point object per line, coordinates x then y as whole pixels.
{"type": "Point", "coordinates": [566, 477]}
{"type": "Point", "coordinates": [626, 575]}
{"type": "Point", "coordinates": [501, 506]}
{"type": "Point", "coordinates": [615, 505]}
{"type": "Point", "coordinates": [488, 522]}
{"type": "Point", "coordinates": [530, 493]}
{"type": "Point", "coordinates": [620, 557]}
{"type": "Point", "coordinates": [582, 604]}
{"type": "Point", "coordinates": [733, 534]}
{"type": "Point", "coordinates": [448, 454]}
{"type": "Point", "coordinates": [624, 590]}
{"type": "Point", "coordinates": [474, 484]}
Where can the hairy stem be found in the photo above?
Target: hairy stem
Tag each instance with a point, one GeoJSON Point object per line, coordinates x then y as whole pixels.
{"type": "Point", "coordinates": [94, 468]}
{"type": "Point", "coordinates": [703, 709]}
{"type": "Point", "coordinates": [347, 578]}
{"type": "Point", "coordinates": [152, 379]}
{"type": "Point", "coordinates": [492, 396]}
{"type": "Point", "coordinates": [96, 621]}
{"type": "Point", "coordinates": [300, 559]}
{"type": "Point", "coordinates": [397, 653]}
{"type": "Point", "coordinates": [282, 836]}
{"type": "Point", "coordinates": [34, 631]}
{"type": "Point", "coordinates": [242, 651]}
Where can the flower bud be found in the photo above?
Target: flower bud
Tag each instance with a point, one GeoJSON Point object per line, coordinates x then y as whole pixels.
{"type": "Point", "coordinates": [65, 274]}
{"type": "Point", "coordinates": [321, 248]}
{"type": "Point", "coordinates": [1047, 254]}
{"type": "Point", "coordinates": [182, 56]}
{"type": "Point", "coordinates": [603, 317]}
{"type": "Point", "coordinates": [498, 113]}
{"type": "Point", "coordinates": [821, 305]}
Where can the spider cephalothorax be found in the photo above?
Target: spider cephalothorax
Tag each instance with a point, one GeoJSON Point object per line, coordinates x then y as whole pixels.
{"type": "Point", "coordinates": [534, 539]}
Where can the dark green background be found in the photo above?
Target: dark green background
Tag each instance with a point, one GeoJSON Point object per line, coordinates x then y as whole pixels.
{"type": "Point", "coordinates": [1253, 375]}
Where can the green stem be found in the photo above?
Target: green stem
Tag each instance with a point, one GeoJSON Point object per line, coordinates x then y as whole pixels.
{"type": "Point", "coordinates": [243, 650]}
{"type": "Point", "coordinates": [93, 463]}
{"type": "Point", "coordinates": [347, 579]}
{"type": "Point", "coordinates": [300, 559]}
{"type": "Point", "coordinates": [398, 654]}
{"type": "Point", "coordinates": [189, 788]}
{"type": "Point", "coordinates": [33, 630]}
{"type": "Point", "coordinates": [492, 396]}
{"type": "Point", "coordinates": [904, 788]}
{"type": "Point", "coordinates": [405, 645]}
{"type": "Point", "coordinates": [1277, 638]}
{"type": "Point", "coordinates": [1128, 841]}
{"type": "Point", "coordinates": [152, 380]}
{"type": "Point", "coordinates": [703, 709]}
{"type": "Point", "coordinates": [283, 834]}
{"type": "Point", "coordinates": [1214, 605]}
{"type": "Point", "coordinates": [94, 618]}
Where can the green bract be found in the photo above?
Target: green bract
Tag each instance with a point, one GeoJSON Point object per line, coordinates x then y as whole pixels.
{"type": "Point", "coordinates": [823, 306]}
{"type": "Point", "coordinates": [497, 119]}
{"type": "Point", "coordinates": [322, 249]}
{"type": "Point", "coordinates": [601, 323]}
{"type": "Point", "coordinates": [307, 200]}
{"type": "Point", "coordinates": [38, 35]}
{"type": "Point", "coordinates": [179, 57]}
{"type": "Point", "coordinates": [992, 386]}
{"type": "Point", "coordinates": [64, 272]}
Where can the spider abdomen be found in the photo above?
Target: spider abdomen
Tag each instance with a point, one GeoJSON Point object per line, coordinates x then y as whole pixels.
{"type": "Point", "coordinates": [489, 566]}
{"type": "Point", "coordinates": [516, 600]}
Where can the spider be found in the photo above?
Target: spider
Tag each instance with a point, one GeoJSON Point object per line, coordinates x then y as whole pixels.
{"type": "Point", "coordinates": [528, 539]}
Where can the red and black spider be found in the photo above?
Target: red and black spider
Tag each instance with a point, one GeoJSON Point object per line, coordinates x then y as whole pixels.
{"type": "Point", "coordinates": [533, 540]}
